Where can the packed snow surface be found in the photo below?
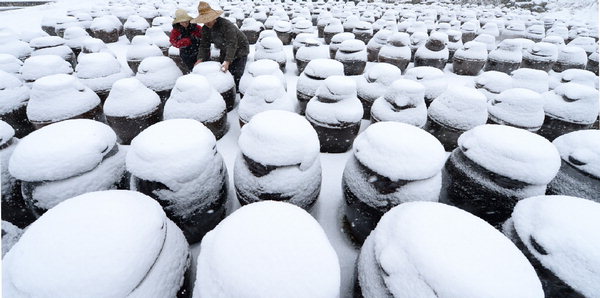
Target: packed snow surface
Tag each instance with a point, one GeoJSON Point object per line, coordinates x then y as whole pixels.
{"type": "Point", "coordinates": [403, 102]}
{"type": "Point", "coordinates": [581, 149]}
{"type": "Point", "coordinates": [425, 249]}
{"type": "Point", "coordinates": [511, 152]}
{"type": "Point", "coordinates": [193, 97]}
{"type": "Point", "coordinates": [572, 102]}
{"type": "Point", "coordinates": [43, 65]}
{"type": "Point", "coordinates": [13, 92]}
{"type": "Point", "coordinates": [532, 79]}
{"type": "Point", "coordinates": [265, 93]}
{"type": "Point", "coordinates": [564, 228]}
{"type": "Point", "coordinates": [130, 98]}
{"type": "Point", "coordinates": [10, 63]}
{"type": "Point", "coordinates": [335, 103]}
{"type": "Point", "coordinates": [284, 252]}
{"type": "Point", "coordinates": [518, 107]}
{"type": "Point", "coordinates": [212, 71]}
{"type": "Point", "coordinates": [63, 254]}
{"type": "Point", "coordinates": [158, 73]}
{"type": "Point", "coordinates": [61, 150]}
{"type": "Point", "coordinates": [459, 107]}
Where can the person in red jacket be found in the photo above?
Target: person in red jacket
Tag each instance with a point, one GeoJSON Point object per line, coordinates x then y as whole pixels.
{"type": "Point", "coordinates": [186, 37]}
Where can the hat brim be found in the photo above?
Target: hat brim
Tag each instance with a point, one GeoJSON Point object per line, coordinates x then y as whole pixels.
{"type": "Point", "coordinates": [207, 17]}
{"type": "Point", "coordinates": [183, 19]}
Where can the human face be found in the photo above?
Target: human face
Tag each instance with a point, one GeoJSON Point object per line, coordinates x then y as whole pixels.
{"type": "Point", "coordinates": [185, 24]}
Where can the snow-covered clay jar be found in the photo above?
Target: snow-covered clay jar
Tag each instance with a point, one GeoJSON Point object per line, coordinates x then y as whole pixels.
{"type": "Point", "coordinates": [44, 65]}
{"type": "Point", "coordinates": [432, 78]}
{"type": "Point", "coordinates": [455, 111]}
{"type": "Point", "coordinates": [285, 252]}
{"type": "Point", "coordinates": [271, 48]}
{"type": "Point", "coordinates": [135, 25]}
{"type": "Point", "coordinates": [74, 39]}
{"type": "Point", "coordinates": [10, 235]}
{"type": "Point", "coordinates": [194, 98]}
{"type": "Point", "coordinates": [159, 38]}
{"type": "Point", "coordinates": [579, 173]}
{"type": "Point", "coordinates": [15, 96]}
{"type": "Point", "coordinates": [222, 81]}
{"type": "Point", "coordinates": [333, 27]}
{"type": "Point", "coordinates": [284, 31]}
{"type": "Point", "coordinates": [337, 40]}
{"type": "Point", "coordinates": [396, 51]}
{"type": "Point", "coordinates": [434, 52]}
{"type": "Point", "coordinates": [66, 159]}
{"type": "Point", "coordinates": [592, 64]}
{"type": "Point", "coordinates": [99, 71]}
{"type": "Point", "coordinates": [559, 237]}
{"type": "Point", "coordinates": [541, 56]}
{"type": "Point", "coordinates": [14, 209]}
{"type": "Point", "coordinates": [99, 244]}
{"type": "Point", "coordinates": [141, 47]}
{"type": "Point", "coordinates": [363, 31]}
{"type": "Point", "coordinates": [59, 97]}
{"type": "Point", "coordinates": [130, 108]}
{"type": "Point", "coordinates": [353, 55]}
{"type": "Point", "coordinates": [106, 28]}
{"type": "Point", "coordinates": [470, 59]}
{"type": "Point", "coordinates": [532, 79]}
{"type": "Point", "coordinates": [424, 249]}
{"type": "Point", "coordinates": [259, 68]}
{"type": "Point", "coordinates": [506, 58]}
{"type": "Point", "coordinates": [518, 107]}
{"type": "Point", "coordinates": [176, 163]}
{"type": "Point", "coordinates": [279, 160]}
{"type": "Point", "coordinates": [312, 77]}
{"type": "Point", "coordinates": [374, 83]}
{"type": "Point", "coordinates": [492, 83]}
{"type": "Point", "coordinates": [159, 74]}
{"type": "Point", "coordinates": [494, 167]}
{"type": "Point", "coordinates": [335, 113]}
{"type": "Point", "coordinates": [403, 101]}
{"type": "Point", "coordinates": [265, 93]}
{"type": "Point", "coordinates": [569, 107]}
{"type": "Point", "coordinates": [454, 43]}
{"type": "Point", "coordinates": [376, 43]}
{"type": "Point", "coordinates": [310, 50]}
{"type": "Point", "coordinates": [251, 28]}
{"type": "Point", "coordinates": [385, 170]}
{"type": "Point", "coordinates": [10, 44]}
{"type": "Point", "coordinates": [300, 40]}
{"type": "Point", "coordinates": [10, 64]}
{"type": "Point", "coordinates": [570, 57]}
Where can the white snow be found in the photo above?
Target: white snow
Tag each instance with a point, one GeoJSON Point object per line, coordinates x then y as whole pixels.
{"type": "Point", "coordinates": [397, 46]}
{"type": "Point", "coordinates": [130, 98]}
{"type": "Point", "coordinates": [572, 55]}
{"type": "Point", "coordinates": [193, 97]}
{"type": "Point", "coordinates": [99, 71]}
{"type": "Point", "coordinates": [279, 236]}
{"type": "Point", "coordinates": [572, 102]}
{"type": "Point", "coordinates": [542, 51]}
{"type": "Point", "coordinates": [142, 47]}
{"type": "Point", "coordinates": [563, 227]}
{"type": "Point", "coordinates": [492, 83]}
{"type": "Point", "coordinates": [424, 52]}
{"type": "Point", "coordinates": [511, 152]}
{"type": "Point", "coordinates": [221, 81]}
{"type": "Point", "coordinates": [158, 37]}
{"type": "Point", "coordinates": [268, 139]}
{"type": "Point", "coordinates": [44, 65]}
{"type": "Point", "coordinates": [472, 50]}
{"type": "Point", "coordinates": [46, 41]}
{"type": "Point", "coordinates": [136, 22]}
{"type": "Point", "coordinates": [460, 108]}
{"type": "Point", "coordinates": [579, 76]}
{"type": "Point", "coordinates": [260, 67]}
{"type": "Point", "coordinates": [532, 79]}
{"type": "Point", "coordinates": [308, 81]}
{"type": "Point", "coordinates": [61, 150]}
{"type": "Point", "coordinates": [13, 92]}
{"type": "Point", "coordinates": [10, 64]}
{"type": "Point", "coordinates": [265, 93]}
{"type": "Point", "coordinates": [311, 50]}
{"type": "Point", "coordinates": [9, 44]}
{"type": "Point", "coordinates": [61, 254]}
{"type": "Point", "coordinates": [424, 249]}
{"type": "Point", "coordinates": [10, 235]}
{"type": "Point", "coordinates": [376, 80]}
{"type": "Point", "coordinates": [432, 78]}
{"type": "Point", "coordinates": [335, 103]}
{"type": "Point", "coordinates": [158, 73]}
{"type": "Point", "coordinates": [583, 147]}
{"type": "Point", "coordinates": [404, 101]}
{"type": "Point", "coordinates": [518, 107]}
{"type": "Point", "coordinates": [105, 23]}
{"type": "Point", "coordinates": [509, 50]}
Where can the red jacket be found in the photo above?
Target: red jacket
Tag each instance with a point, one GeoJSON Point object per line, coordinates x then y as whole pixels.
{"type": "Point", "coordinates": [178, 41]}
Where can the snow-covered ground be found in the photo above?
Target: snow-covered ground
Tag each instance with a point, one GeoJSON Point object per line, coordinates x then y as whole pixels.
{"type": "Point", "coordinates": [328, 210]}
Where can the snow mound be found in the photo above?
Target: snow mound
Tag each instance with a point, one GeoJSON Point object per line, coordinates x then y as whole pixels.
{"type": "Point", "coordinates": [566, 241]}
{"type": "Point", "coordinates": [459, 107]}
{"type": "Point", "coordinates": [375, 80]}
{"type": "Point", "coordinates": [518, 107]}
{"type": "Point", "coordinates": [61, 254]}
{"type": "Point", "coordinates": [172, 151]}
{"type": "Point", "coordinates": [13, 92]}
{"type": "Point", "coordinates": [158, 73]}
{"type": "Point", "coordinates": [193, 97]}
{"type": "Point", "coordinates": [472, 50]}
{"type": "Point", "coordinates": [61, 150]}
{"type": "Point", "coordinates": [280, 138]}
{"type": "Point", "coordinates": [6, 132]}
{"type": "Point", "coordinates": [421, 158]}
{"type": "Point", "coordinates": [492, 82]}
{"type": "Point", "coordinates": [44, 65]}
{"type": "Point", "coordinates": [581, 149]}
{"type": "Point", "coordinates": [432, 78]}
{"type": "Point", "coordinates": [286, 253]}
{"type": "Point", "coordinates": [10, 63]}
{"type": "Point", "coordinates": [403, 102]}
{"type": "Point", "coordinates": [130, 98]}
{"type": "Point", "coordinates": [265, 93]}
{"type": "Point", "coordinates": [425, 249]}
{"type": "Point", "coordinates": [323, 68]}
{"type": "Point", "coordinates": [580, 76]}
{"type": "Point", "coordinates": [532, 79]}
{"type": "Point", "coordinates": [212, 71]}
{"type": "Point", "coordinates": [261, 67]}
{"type": "Point", "coordinates": [142, 47]}
{"type": "Point", "coordinates": [572, 102]}
{"type": "Point", "coordinates": [96, 65]}
{"type": "Point", "coordinates": [511, 152]}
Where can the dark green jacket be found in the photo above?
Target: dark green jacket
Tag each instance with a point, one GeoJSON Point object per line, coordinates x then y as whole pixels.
{"type": "Point", "coordinates": [227, 37]}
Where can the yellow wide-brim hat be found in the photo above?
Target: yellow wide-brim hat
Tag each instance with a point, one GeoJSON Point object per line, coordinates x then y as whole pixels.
{"type": "Point", "coordinates": [206, 13]}
{"type": "Point", "coordinates": [181, 15]}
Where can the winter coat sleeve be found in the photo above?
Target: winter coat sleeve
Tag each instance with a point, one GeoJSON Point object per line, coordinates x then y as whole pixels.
{"type": "Point", "coordinates": [204, 49]}
{"type": "Point", "coordinates": [231, 42]}
{"type": "Point", "coordinates": [178, 42]}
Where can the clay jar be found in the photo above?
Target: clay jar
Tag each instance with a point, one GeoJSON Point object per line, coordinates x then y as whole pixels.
{"type": "Point", "coordinates": [470, 59]}
{"type": "Point", "coordinates": [15, 96]}
{"type": "Point", "coordinates": [506, 58]}
{"type": "Point", "coordinates": [223, 82]}
{"type": "Point", "coordinates": [376, 43]}
{"type": "Point", "coordinates": [251, 28]}
{"type": "Point", "coordinates": [454, 43]}
{"type": "Point", "coordinates": [517, 107]}
{"type": "Point", "coordinates": [106, 28]}
{"type": "Point", "coordinates": [336, 40]}
{"type": "Point", "coordinates": [592, 64]}
{"type": "Point", "coordinates": [363, 31]}
{"type": "Point", "coordinates": [311, 50]}
{"type": "Point", "coordinates": [402, 102]}
{"type": "Point", "coordinates": [265, 92]}
{"type": "Point", "coordinates": [135, 25]}
{"type": "Point", "coordinates": [455, 111]}
{"type": "Point", "coordinates": [271, 48]}
{"type": "Point", "coordinates": [53, 45]}
{"type": "Point", "coordinates": [300, 41]}
{"type": "Point", "coordinates": [99, 71]}
{"type": "Point", "coordinates": [141, 48]}
{"type": "Point", "coordinates": [284, 31]}
{"type": "Point", "coordinates": [159, 74]}
{"type": "Point", "coordinates": [75, 38]}
{"type": "Point", "coordinates": [258, 68]}
{"type": "Point", "coordinates": [311, 78]}
{"type": "Point", "coordinates": [434, 53]}
{"type": "Point", "coordinates": [335, 113]}
{"type": "Point", "coordinates": [570, 57]}
{"type": "Point", "coordinates": [84, 157]}
{"type": "Point", "coordinates": [397, 51]}
{"type": "Point", "coordinates": [130, 108]}
{"type": "Point", "coordinates": [279, 160]}
{"type": "Point", "coordinates": [334, 27]}
{"type": "Point", "coordinates": [374, 83]}
{"type": "Point", "coordinates": [541, 56]}
{"type": "Point", "coordinates": [353, 55]}
{"type": "Point", "coordinates": [432, 78]}
{"type": "Point", "coordinates": [375, 177]}
{"type": "Point", "coordinates": [176, 163]}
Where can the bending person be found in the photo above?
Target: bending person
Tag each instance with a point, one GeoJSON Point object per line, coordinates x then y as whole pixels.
{"type": "Point", "coordinates": [226, 36]}
{"type": "Point", "coordinates": [186, 37]}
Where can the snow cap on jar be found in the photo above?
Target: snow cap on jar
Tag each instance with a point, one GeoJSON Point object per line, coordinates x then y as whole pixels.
{"type": "Point", "coordinates": [336, 88]}
{"type": "Point", "coordinates": [518, 107]}
{"type": "Point", "coordinates": [459, 107]}
{"type": "Point", "coordinates": [581, 149]}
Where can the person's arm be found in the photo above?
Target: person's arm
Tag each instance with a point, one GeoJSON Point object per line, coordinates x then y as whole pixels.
{"type": "Point", "coordinates": [197, 32]}
{"type": "Point", "coordinates": [231, 42]}
{"type": "Point", "coordinates": [178, 42]}
{"type": "Point", "coordinates": [204, 49]}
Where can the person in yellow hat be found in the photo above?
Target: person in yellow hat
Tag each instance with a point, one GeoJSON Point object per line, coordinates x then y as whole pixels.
{"type": "Point", "coordinates": [186, 37]}
{"type": "Point", "coordinates": [226, 36]}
